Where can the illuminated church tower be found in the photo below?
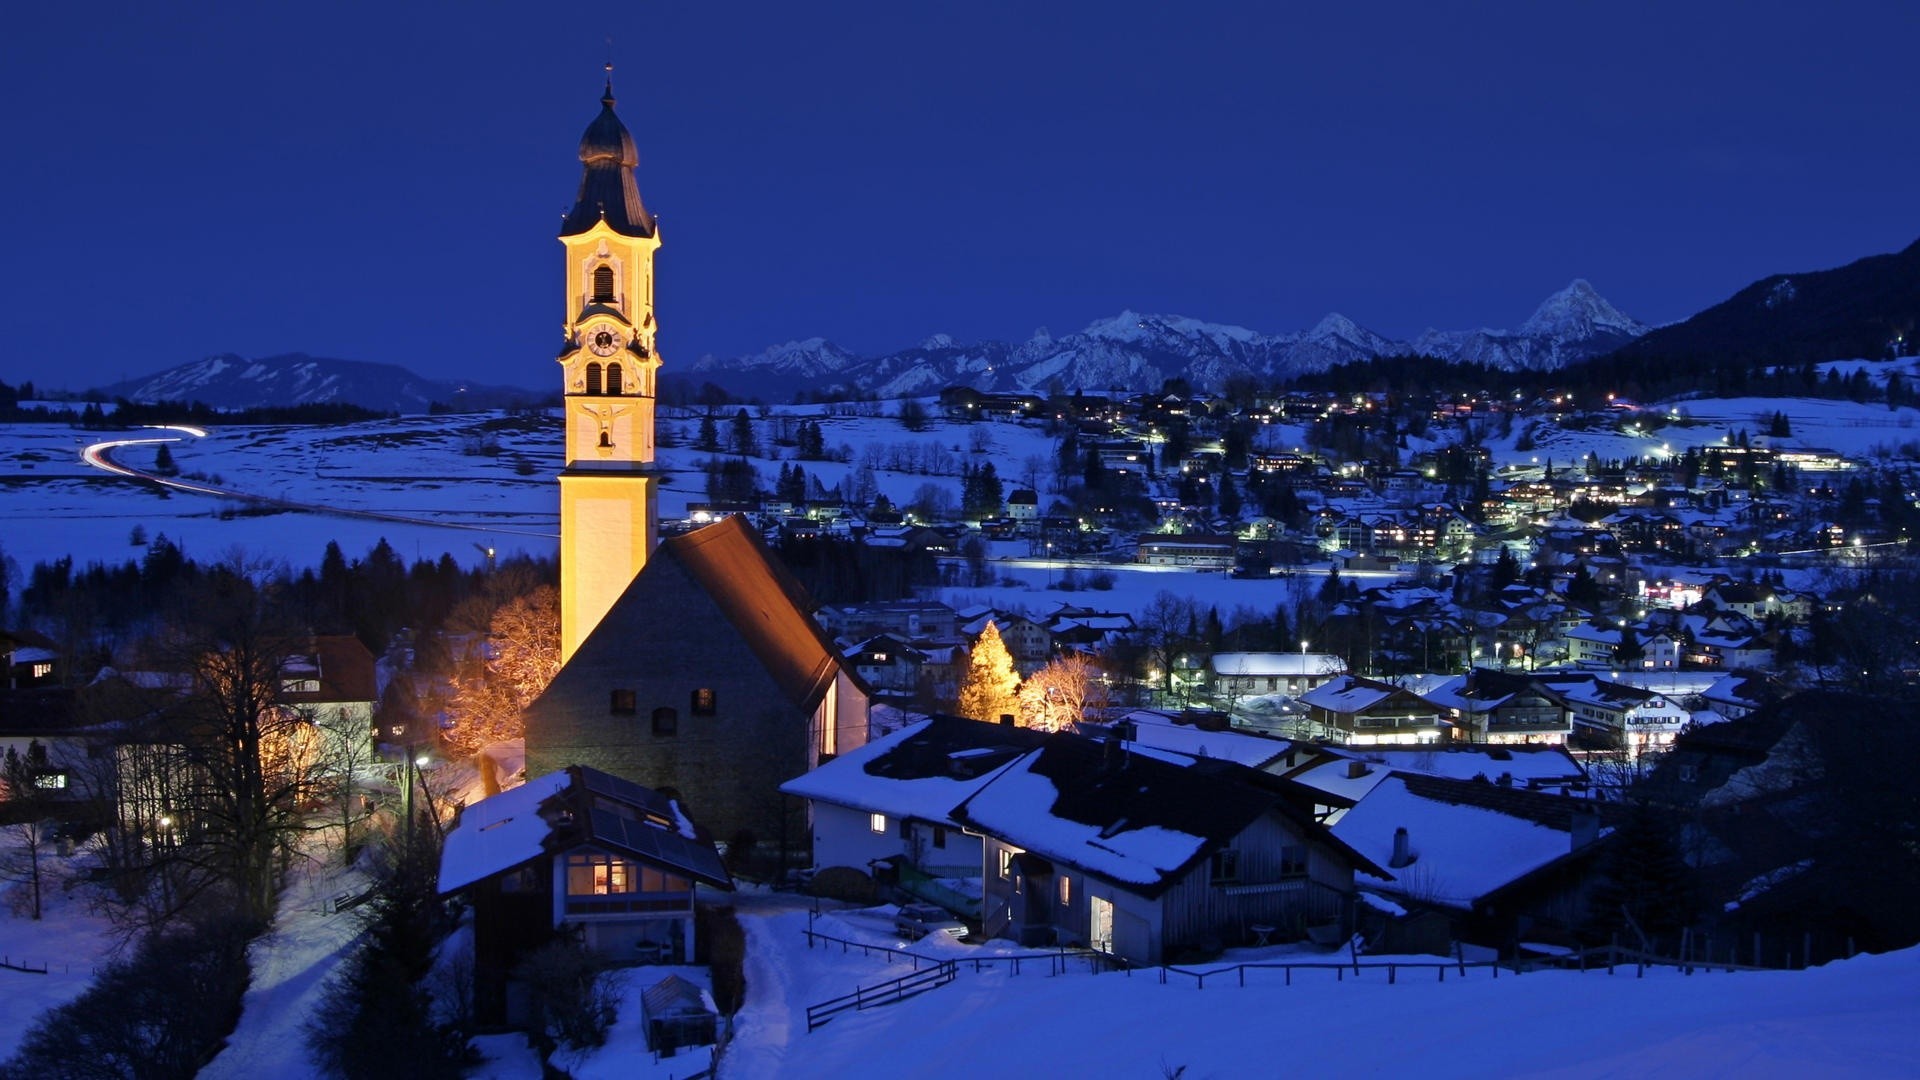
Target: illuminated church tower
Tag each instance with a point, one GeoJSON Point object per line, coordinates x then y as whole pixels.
{"type": "Point", "coordinates": [607, 516]}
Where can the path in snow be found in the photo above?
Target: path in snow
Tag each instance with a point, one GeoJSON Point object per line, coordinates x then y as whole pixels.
{"type": "Point", "coordinates": [291, 963]}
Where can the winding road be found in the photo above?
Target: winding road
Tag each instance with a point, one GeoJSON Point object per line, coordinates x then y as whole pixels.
{"type": "Point", "coordinates": [100, 456]}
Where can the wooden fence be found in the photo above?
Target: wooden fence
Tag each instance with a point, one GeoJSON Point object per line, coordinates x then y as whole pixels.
{"type": "Point", "coordinates": [886, 993]}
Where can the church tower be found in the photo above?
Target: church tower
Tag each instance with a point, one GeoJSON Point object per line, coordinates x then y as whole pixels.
{"type": "Point", "coordinates": [607, 491]}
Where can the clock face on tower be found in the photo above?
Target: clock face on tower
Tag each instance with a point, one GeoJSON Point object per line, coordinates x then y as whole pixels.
{"type": "Point", "coordinates": [604, 343]}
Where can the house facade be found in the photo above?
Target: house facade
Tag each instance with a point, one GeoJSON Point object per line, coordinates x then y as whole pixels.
{"type": "Point", "coordinates": [1086, 842]}
{"type": "Point", "coordinates": [578, 851]}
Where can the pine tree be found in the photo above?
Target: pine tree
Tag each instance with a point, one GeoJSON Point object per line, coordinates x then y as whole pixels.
{"type": "Point", "coordinates": [709, 437]}
{"type": "Point", "coordinates": [1645, 883]}
{"type": "Point", "coordinates": [992, 686]}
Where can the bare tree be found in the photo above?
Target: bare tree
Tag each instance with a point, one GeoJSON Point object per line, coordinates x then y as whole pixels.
{"type": "Point", "coordinates": [523, 656]}
{"type": "Point", "coordinates": [1059, 695]}
{"type": "Point", "coordinates": [25, 810]}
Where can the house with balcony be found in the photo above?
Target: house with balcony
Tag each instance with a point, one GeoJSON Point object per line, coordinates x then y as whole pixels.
{"type": "Point", "coordinates": [580, 853]}
{"type": "Point", "coordinates": [886, 808]}
{"type": "Point", "coordinates": [1363, 712]}
{"type": "Point", "coordinates": [1491, 706]}
{"type": "Point", "coordinates": [1091, 842]}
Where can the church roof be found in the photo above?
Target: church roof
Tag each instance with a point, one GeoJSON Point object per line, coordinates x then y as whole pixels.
{"type": "Point", "coordinates": [607, 186]}
{"type": "Point", "coordinates": [762, 600]}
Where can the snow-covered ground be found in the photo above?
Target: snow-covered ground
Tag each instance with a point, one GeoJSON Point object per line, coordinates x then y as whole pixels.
{"type": "Point", "coordinates": [69, 940]}
{"type": "Point", "coordinates": [1850, 1018]}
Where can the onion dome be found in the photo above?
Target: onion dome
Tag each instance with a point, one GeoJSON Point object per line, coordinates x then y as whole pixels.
{"type": "Point", "coordinates": [607, 187]}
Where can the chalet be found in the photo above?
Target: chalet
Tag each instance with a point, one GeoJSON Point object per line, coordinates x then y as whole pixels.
{"type": "Point", "coordinates": [1088, 842]}
{"type": "Point", "coordinates": [707, 676]}
{"type": "Point", "coordinates": [331, 683]}
{"type": "Point", "coordinates": [610, 863]}
{"type": "Point", "coordinates": [1362, 712]}
{"type": "Point", "coordinates": [887, 807]}
{"type": "Point", "coordinates": [887, 664]}
{"type": "Point", "coordinates": [1615, 715]}
{"type": "Point", "coordinates": [28, 658]}
{"type": "Point", "coordinates": [1504, 864]}
{"type": "Point", "coordinates": [1490, 706]}
{"type": "Point", "coordinates": [1241, 674]}
{"type": "Point", "coordinates": [1023, 506]}
{"type": "Point", "coordinates": [1340, 777]}
{"type": "Point", "coordinates": [48, 727]}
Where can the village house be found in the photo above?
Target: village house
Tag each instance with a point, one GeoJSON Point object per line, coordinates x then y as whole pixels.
{"type": "Point", "coordinates": [886, 808]}
{"type": "Point", "coordinates": [1245, 674]}
{"type": "Point", "coordinates": [1089, 842]}
{"type": "Point", "coordinates": [1363, 712]}
{"type": "Point", "coordinates": [582, 854]}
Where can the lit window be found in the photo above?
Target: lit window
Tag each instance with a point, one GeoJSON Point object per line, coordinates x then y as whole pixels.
{"type": "Point", "coordinates": [599, 875]}
{"type": "Point", "coordinates": [51, 781]}
{"type": "Point", "coordinates": [877, 823]}
{"type": "Point", "coordinates": [705, 702]}
{"type": "Point", "coordinates": [623, 703]}
{"type": "Point", "coordinates": [1006, 862]}
{"type": "Point", "coordinates": [666, 722]}
{"type": "Point", "coordinates": [1066, 890]}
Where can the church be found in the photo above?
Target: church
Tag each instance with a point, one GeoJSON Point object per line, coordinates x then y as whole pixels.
{"type": "Point", "coordinates": [694, 666]}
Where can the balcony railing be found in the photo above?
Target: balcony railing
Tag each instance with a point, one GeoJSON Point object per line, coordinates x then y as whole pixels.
{"type": "Point", "coordinates": [629, 903]}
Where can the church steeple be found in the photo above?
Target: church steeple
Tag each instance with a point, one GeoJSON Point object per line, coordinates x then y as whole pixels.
{"type": "Point", "coordinates": [609, 363]}
{"type": "Point", "coordinates": [608, 190]}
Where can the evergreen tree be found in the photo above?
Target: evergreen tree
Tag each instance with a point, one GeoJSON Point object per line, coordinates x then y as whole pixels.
{"type": "Point", "coordinates": [742, 435]}
{"type": "Point", "coordinates": [992, 687]}
{"type": "Point", "coordinates": [708, 440]}
{"type": "Point", "coordinates": [1645, 883]}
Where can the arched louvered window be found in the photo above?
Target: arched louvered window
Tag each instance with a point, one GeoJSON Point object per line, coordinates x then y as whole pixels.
{"type": "Point", "coordinates": [614, 385]}
{"type": "Point", "coordinates": [593, 378]}
{"type": "Point", "coordinates": [603, 284]}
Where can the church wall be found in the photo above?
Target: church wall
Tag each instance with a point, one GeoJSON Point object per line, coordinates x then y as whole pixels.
{"type": "Point", "coordinates": [665, 640]}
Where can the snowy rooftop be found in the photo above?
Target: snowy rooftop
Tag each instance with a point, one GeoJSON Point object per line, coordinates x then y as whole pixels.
{"type": "Point", "coordinates": [1277, 664]}
{"type": "Point", "coordinates": [922, 771]}
{"type": "Point", "coordinates": [1461, 851]}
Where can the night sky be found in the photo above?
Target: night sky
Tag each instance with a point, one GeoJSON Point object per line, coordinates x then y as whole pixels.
{"type": "Point", "coordinates": [350, 181]}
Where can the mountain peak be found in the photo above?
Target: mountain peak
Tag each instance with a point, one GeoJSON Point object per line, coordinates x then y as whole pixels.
{"type": "Point", "coordinates": [1579, 311]}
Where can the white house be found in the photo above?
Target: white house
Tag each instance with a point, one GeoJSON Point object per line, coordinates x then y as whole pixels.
{"type": "Point", "coordinates": [1241, 674]}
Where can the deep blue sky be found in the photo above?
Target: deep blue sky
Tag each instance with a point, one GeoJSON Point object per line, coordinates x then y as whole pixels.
{"type": "Point", "coordinates": [385, 185]}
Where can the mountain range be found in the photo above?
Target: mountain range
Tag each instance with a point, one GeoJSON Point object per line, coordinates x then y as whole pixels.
{"type": "Point", "coordinates": [233, 382]}
{"type": "Point", "coordinates": [1141, 351]}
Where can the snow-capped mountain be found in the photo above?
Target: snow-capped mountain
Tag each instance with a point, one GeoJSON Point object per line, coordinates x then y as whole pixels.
{"type": "Point", "coordinates": [1134, 350]}
{"type": "Point", "coordinates": [234, 382]}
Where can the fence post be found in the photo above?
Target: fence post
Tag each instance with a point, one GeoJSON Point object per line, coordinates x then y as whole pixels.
{"type": "Point", "coordinates": [1289, 970]}
{"type": "Point", "coordinates": [1613, 948]}
{"type": "Point", "coordinates": [1391, 973]}
{"type": "Point", "coordinates": [1806, 951]}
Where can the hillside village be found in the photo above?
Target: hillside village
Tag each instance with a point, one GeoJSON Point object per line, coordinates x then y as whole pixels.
{"type": "Point", "coordinates": [1365, 670]}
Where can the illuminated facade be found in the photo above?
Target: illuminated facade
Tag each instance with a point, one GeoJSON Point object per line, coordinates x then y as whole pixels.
{"type": "Point", "coordinates": [609, 364]}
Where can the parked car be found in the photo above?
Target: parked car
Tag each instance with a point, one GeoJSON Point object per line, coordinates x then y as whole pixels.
{"type": "Point", "coordinates": [916, 921]}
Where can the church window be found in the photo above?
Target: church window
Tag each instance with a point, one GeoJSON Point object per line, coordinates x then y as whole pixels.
{"type": "Point", "coordinates": [593, 378]}
{"type": "Point", "coordinates": [705, 702]}
{"type": "Point", "coordinates": [624, 703]}
{"type": "Point", "coordinates": [666, 721]}
{"type": "Point", "coordinates": [603, 284]}
{"type": "Point", "coordinates": [614, 385]}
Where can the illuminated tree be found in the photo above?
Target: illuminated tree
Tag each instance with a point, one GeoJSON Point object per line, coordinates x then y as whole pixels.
{"type": "Point", "coordinates": [522, 656]}
{"type": "Point", "coordinates": [1059, 695]}
{"type": "Point", "coordinates": [992, 688]}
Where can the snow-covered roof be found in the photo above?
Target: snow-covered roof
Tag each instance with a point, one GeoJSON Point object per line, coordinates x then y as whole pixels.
{"type": "Point", "coordinates": [1461, 851]}
{"type": "Point", "coordinates": [583, 806]}
{"type": "Point", "coordinates": [1276, 664]}
{"type": "Point", "coordinates": [498, 832]}
{"type": "Point", "coordinates": [1158, 730]}
{"type": "Point", "coordinates": [922, 771]}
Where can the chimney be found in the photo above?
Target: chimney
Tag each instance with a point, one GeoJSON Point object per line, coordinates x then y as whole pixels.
{"type": "Point", "coordinates": [1402, 855]}
{"type": "Point", "coordinates": [1585, 828]}
{"type": "Point", "coordinates": [1356, 770]}
{"type": "Point", "coordinates": [1114, 757]}
{"type": "Point", "coordinates": [1006, 719]}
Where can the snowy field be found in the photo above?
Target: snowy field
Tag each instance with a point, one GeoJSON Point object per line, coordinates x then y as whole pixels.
{"type": "Point", "coordinates": [1850, 1018]}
